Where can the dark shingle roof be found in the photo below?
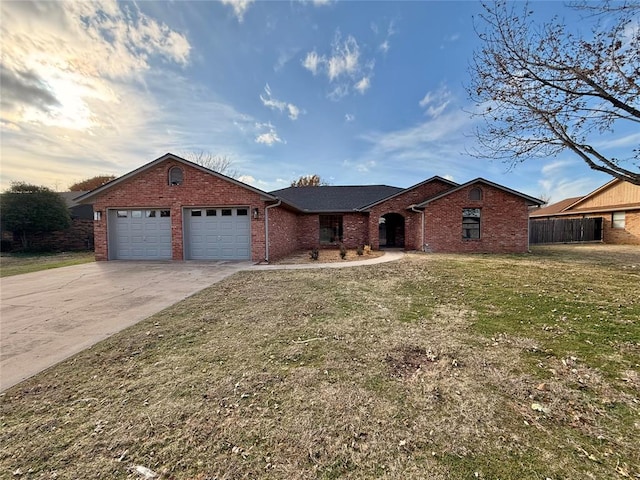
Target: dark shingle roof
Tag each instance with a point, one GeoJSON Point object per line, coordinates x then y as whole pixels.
{"type": "Point", "coordinates": [334, 199]}
{"type": "Point", "coordinates": [70, 197]}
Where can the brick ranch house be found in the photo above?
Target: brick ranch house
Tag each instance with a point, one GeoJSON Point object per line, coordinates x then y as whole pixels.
{"type": "Point", "coordinates": [613, 208]}
{"type": "Point", "coordinates": [173, 209]}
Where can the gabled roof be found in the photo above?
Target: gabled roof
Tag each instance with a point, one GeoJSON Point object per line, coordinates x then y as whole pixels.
{"type": "Point", "coordinates": [592, 194]}
{"type": "Point", "coordinates": [167, 156]}
{"type": "Point", "coordinates": [575, 205]}
{"type": "Point", "coordinates": [325, 199]}
{"type": "Point", "coordinates": [70, 197]}
{"type": "Point", "coordinates": [530, 200]}
{"type": "Point", "coordinates": [405, 190]}
{"type": "Point", "coordinates": [554, 208]}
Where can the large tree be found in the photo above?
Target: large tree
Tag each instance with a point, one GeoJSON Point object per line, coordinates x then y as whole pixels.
{"type": "Point", "coordinates": [218, 163]}
{"type": "Point", "coordinates": [542, 88]}
{"type": "Point", "coordinates": [28, 209]}
{"type": "Point", "coordinates": [309, 181]}
{"type": "Point", "coordinates": [91, 183]}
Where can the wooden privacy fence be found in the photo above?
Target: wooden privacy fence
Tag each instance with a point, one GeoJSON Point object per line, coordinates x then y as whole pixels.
{"type": "Point", "coordinates": [565, 230]}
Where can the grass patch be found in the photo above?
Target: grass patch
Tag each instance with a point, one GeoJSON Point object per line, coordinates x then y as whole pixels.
{"type": "Point", "coordinates": [19, 263]}
{"type": "Point", "coordinates": [461, 366]}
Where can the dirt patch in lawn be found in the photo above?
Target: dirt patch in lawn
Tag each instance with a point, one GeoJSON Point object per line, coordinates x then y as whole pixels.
{"type": "Point", "coordinates": [438, 366]}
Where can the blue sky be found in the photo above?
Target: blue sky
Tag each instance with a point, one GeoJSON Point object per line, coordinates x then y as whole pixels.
{"type": "Point", "coordinates": [357, 92]}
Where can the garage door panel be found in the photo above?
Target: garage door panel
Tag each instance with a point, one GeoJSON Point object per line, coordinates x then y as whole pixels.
{"type": "Point", "coordinates": [217, 234]}
{"type": "Point", "coordinates": [140, 234]}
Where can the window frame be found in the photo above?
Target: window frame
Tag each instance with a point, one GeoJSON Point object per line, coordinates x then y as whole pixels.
{"type": "Point", "coordinates": [330, 229]}
{"type": "Point", "coordinates": [475, 194]}
{"type": "Point", "coordinates": [618, 223]}
{"type": "Point", "coordinates": [471, 223]}
{"type": "Point", "coordinates": [175, 176]}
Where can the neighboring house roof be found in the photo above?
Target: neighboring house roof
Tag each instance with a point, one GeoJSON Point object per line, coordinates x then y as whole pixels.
{"type": "Point", "coordinates": [334, 198]}
{"type": "Point", "coordinates": [405, 190]}
{"type": "Point", "coordinates": [167, 156]}
{"type": "Point", "coordinates": [69, 197]}
{"type": "Point", "coordinates": [554, 208]}
{"type": "Point", "coordinates": [530, 200]}
{"type": "Point", "coordinates": [76, 209]}
{"type": "Point", "coordinates": [580, 205]}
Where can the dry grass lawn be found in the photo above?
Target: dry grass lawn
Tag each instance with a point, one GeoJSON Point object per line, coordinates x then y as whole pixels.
{"type": "Point", "coordinates": [19, 263]}
{"type": "Point", "coordinates": [435, 366]}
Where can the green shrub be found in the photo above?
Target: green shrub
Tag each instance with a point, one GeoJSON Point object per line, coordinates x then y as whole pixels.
{"type": "Point", "coordinates": [314, 254]}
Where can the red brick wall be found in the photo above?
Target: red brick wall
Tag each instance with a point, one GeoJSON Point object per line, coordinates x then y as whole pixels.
{"type": "Point", "coordinates": [354, 230]}
{"type": "Point", "coordinates": [150, 189]}
{"type": "Point", "coordinates": [308, 231]}
{"type": "Point", "coordinates": [412, 220]}
{"type": "Point", "coordinates": [283, 233]}
{"type": "Point", "coordinates": [78, 237]}
{"type": "Point", "coordinates": [629, 235]}
{"type": "Point", "coordinates": [503, 222]}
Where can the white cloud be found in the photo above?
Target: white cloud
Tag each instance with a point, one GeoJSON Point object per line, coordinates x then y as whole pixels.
{"type": "Point", "coordinates": [270, 137]}
{"type": "Point", "coordinates": [556, 165]}
{"type": "Point", "coordinates": [63, 56]}
{"type": "Point", "coordinates": [274, 104]}
{"type": "Point", "coordinates": [363, 85]}
{"type": "Point", "coordinates": [344, 67]}
{"type": "Point", "coordinates": [98, 88]}
{"type": "Point", "coordinates": [386, 44]}
{"type": "Point", "coordinates": [284, 57]}
{"type": "Point", "coordinates": [364, 166]}
{"type": "Point", "coordinates": [344, 58]}
{"type": "Point", "coordinates": [248, 179]}
{"type": "Point", "coordinates": [436, 102]}
{"type": "Point", "coordinates": [240, 7]}
{"type": "Point", "coordinates": [559, 179]}
{"type": "Point", "coordinates": [348, 117]}
{"type": "Point", "coordinates": [294, 111]}
{"type": "Point", "coordinates": [312, 62]}
{"type": "Point", "coordinates": [433, 146]}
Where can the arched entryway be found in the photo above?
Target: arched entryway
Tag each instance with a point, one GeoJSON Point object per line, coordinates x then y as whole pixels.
{"type": "Point", "coordinates": [391, 230]}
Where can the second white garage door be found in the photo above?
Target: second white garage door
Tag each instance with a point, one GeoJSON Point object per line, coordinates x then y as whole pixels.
{"type": "Point", "coordinates": [217, 234]}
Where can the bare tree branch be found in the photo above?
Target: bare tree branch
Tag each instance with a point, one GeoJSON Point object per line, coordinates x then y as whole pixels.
{"type": "Point", "coordinates": [218, 163]}
{"type": "Point", "coordinates": [542, 89]}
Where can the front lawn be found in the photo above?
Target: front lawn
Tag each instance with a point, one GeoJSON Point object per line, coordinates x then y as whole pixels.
{"type": "Point", "coordinates": [435, 366]}
{"type": "Point", "coordinates": [18, 263]}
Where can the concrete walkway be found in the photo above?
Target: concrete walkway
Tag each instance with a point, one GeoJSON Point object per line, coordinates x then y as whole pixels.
{"type": "Point", "coordinates": [389, 256]}
{"type": "Point", "coordinates": [48, 316]}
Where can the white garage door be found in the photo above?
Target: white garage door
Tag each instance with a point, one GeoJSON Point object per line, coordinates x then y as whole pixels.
{"type": "Point", "coordinates": [140, 234]}
{"type": "Point", "coordinates": [217, 234]}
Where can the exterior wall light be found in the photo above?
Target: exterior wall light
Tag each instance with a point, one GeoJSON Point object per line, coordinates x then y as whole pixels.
{"type": "Point", "coordinates": [256, 213]}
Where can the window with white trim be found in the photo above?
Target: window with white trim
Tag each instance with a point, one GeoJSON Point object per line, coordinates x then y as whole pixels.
{"type": "Point", "coordinates": [617, 220]}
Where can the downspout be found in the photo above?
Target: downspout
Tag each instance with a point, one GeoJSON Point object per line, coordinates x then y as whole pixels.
{"type": "Point", "coordinates": [528, 231]}
{"type": "Point", "coordinates": [413, 209]}
{"type": "Point", "coordinates": [266, 229]}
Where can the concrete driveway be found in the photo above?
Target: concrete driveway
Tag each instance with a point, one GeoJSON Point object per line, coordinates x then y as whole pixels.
{"type": "Point", "coordinates": [48, 316]}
